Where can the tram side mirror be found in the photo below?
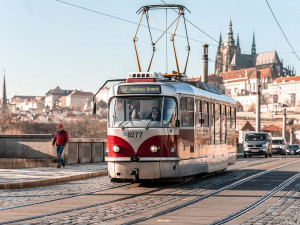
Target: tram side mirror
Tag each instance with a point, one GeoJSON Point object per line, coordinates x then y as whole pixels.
{"type": "Point", "coordinates": [94, 108]}
{"type": "Point", "coordinates": [177, 123]}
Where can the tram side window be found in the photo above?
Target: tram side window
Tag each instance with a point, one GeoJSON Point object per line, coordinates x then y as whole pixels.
{"type": "Point", "coordinates": [212, 122]}
{"type": "Point", "coordinates": [223, 124]}
{"type": "Point", "coordinates": [234, 117]}
{"type": "Point", "coordinates": [205, 111]}
{"type": "Point", "coordinates": [218, 124]}
{"type": "Point", "coordinates": [187, 112]}
{"type": "Point", "coordinates": [228, 116]}
{"type": "Point", "coordinates": [198, 119]}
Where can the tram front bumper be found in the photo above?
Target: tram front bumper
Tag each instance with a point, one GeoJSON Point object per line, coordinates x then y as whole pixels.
{"type": "Point", "coordinates": [134, 170]}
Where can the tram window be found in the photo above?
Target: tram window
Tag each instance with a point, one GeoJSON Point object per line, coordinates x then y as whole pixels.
{"type": "Point", "coordinates": [198, 119]}
{"type": "Point", "coordinates": [212, 122]}
{"type": "Point", "coordinates": [218, 124]}
{"type": "Point", "coordinates": [234, 116]}
{"type": "Point", "coordinates": [169, 112]}
{"type": "Point", "coordinates": [228, 116]}
{"type": "Point", "coordinates": [205, 117]}
{"type": "Point", "coordinates": [187, 112]}
{"type": "Point", "coordinates": [223, 124]}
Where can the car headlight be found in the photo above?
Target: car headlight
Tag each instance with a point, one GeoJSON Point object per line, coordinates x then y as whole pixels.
{"type": "Point", "coordinates": [116, 148]}
{"type": "Point", "coordinates": [298, 150]}
{"type": "Point", "coordinates": [287, 150]}
{"type": "Point", "coordinates": [280, 146]}
{"type": "Point", "coordinates": [245, 145]}
{"type": "Point", "coordinates": [153, 148]}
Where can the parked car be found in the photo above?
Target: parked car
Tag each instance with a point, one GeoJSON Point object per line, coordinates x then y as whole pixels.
{"type": "Point", "coordinates": [293, 150]}
{"type": "Point", "coordinates": [258, 144]}
{"type": "Point", "coordinates": [279, 145]}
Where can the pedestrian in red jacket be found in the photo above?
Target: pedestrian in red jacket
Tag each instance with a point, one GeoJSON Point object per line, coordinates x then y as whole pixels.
{"type": "Point", "coordinates": [61, 138]}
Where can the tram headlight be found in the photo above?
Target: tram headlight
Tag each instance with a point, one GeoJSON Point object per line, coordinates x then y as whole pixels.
{"type": "Point", "coordinates": [116, 148]}
{"type": "Point", "coordinates": [153, 148]}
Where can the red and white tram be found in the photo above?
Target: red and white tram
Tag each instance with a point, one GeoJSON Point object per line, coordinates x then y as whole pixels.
{"type": "Point", "coordinates": [163, 128]}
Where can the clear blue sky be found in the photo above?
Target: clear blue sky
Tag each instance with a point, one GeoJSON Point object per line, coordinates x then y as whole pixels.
{"type": "Point", "coordinates": [44, 43]}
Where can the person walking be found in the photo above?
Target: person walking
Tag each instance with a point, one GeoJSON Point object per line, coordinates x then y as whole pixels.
{"type": "Point", "coordinates": [61, 138]}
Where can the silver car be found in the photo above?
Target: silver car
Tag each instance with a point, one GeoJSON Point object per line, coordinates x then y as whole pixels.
{"type": "Point", "coordinates": [257, 144]}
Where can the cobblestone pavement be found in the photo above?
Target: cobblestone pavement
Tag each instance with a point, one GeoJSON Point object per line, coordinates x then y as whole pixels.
{"type": "Point", "coordinates": [113, 213]}
{"type": "Point", "coordinates": [285, 211]}
{"type": "Point", "coordinates": [15, 197]}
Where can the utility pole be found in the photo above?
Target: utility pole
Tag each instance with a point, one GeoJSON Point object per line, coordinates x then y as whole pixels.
{"type": "Point", "coordinates": [258, 102]}
{"type": "Point", "coordinates": [291, 135]}
{"type": "Point", "coordinates": [284, 123]}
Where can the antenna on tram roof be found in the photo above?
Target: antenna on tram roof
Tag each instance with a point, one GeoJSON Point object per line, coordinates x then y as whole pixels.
{"type": "Point", "coordinates": [144, 11]}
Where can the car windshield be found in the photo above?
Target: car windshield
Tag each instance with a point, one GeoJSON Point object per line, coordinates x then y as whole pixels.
{"type": "Point", "coordinates": [142, 112]}
{"type": "Point", "coordinates": [256, 137]}
{"type": "Point", "coordinates": [277, 142]}
{"type": "Point", "coordinates": [293, 146]}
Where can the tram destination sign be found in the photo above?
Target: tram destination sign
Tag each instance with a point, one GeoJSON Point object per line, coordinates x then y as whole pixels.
{"type": "Point", "coordinates": [139, 89]}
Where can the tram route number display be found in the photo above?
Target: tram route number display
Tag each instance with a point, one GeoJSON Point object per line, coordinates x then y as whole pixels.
{"type": "Point", "coordinates": [132, 134]}
{"type": "Point", "coordinates": [139, 89]}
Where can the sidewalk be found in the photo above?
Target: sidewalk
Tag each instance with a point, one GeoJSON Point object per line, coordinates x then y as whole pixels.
{"type": "Point", "coordinates": [40, 176]}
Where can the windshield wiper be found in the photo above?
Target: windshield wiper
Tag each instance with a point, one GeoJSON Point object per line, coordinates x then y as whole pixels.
{"type": "Point", "coordinates": [148, 125]}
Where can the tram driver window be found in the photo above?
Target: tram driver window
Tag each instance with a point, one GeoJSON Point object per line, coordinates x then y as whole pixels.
{"type": "Point", "coordinates": [187, 112]}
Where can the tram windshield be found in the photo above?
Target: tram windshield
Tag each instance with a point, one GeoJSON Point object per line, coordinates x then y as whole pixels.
{"type": "Point", "coordinates": [142, 112]}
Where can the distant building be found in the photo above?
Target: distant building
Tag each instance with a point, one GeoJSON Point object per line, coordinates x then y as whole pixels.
{"type": "Point", "coordinates": [53, 95]}
{"type": "Point", "coordinates": [229, 58]}
{"type": "Point", "coordinates": [26, 103]}
{"type": "Point", "coordinates": [79, 99]}
{"type": "Point", "coordinates": [284, 90]}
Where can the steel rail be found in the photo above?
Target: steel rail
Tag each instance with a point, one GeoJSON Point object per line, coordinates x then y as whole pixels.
{"type": "Point", "coordinates": [62, 198]}
{"type": "Point", "coordinates": [206, 196]}
{"type": "Point", "coordinates": [258, 202]}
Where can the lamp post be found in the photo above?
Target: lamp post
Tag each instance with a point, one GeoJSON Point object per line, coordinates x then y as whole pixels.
{"type": "Point", "coordinates": [258, 102]}
{"type": "Point", "coordinates": [291, 135]}
{"type": "Point", "coordinates": [284, 121]}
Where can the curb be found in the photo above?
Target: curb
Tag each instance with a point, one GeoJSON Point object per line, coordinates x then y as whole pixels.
{"type": "Point", "coordinates": [38, 183]}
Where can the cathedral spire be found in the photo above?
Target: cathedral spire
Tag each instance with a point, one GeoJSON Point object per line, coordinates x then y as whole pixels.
{"type": "Point", "coordinates": [4, 99]}
{"type": "Point", "coordinates": [220, 40]}
{"type": "Point", "coordinates": [230, 40]}
{"type": "Point", "coordinates": [238, 41]}
{"type": "Point", "coordinates": [253, 49]}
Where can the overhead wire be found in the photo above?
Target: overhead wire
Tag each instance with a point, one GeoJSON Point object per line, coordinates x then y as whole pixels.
{"type": "Point", "coordinates": [121, 19]}
{"type": "Point", "coordinates": [294, 52]}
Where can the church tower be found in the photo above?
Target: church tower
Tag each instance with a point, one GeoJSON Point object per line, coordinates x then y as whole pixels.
{"type": "Point", "coordinates": [4, 98]}
{"type": "Point", "coordinates": [219, 58]}
{"type": "Point", "coordinates": [253, 49]}
{"type": "Point", "coordinates": [226, 52]}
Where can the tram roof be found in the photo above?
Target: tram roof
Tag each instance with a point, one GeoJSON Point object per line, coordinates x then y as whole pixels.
{"type": "Point", "coordinates": [172, 88]}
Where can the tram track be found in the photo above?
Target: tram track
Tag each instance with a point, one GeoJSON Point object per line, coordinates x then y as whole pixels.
{"type": "Point", "coordinates": [258, 202]}
{"type": "Point", "coordinates": [151, 194]}
{"type": "Point", "coordinates": [104, 189]}
{"type": "Point", "coordinates": [213, 193]}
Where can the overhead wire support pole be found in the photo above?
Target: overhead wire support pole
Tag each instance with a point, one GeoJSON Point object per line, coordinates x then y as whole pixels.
{"type": "Point", "coordinates": [172, 39]}
{"type": "Point", "coordinates": [153, 44]}
{"type": "Point", "coordinates": [188, 47]}
{"type": "Point", "coordinates": [135, 40]}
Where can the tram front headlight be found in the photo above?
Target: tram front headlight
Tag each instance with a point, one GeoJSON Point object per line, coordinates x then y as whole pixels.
{"type": "Point", "coordinates": [116, 148]}
{"type": "Point", "coordinates": [153, 148]}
